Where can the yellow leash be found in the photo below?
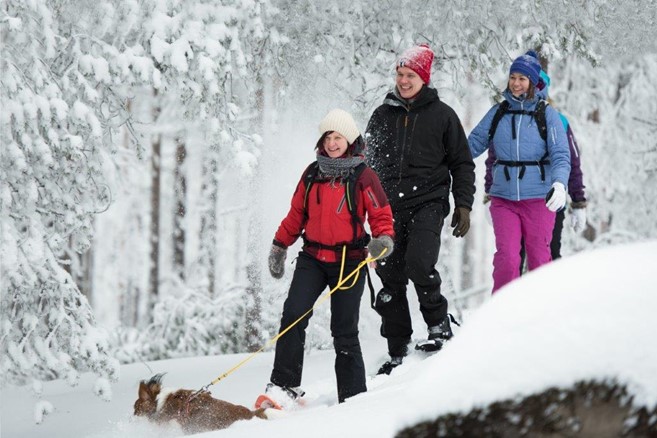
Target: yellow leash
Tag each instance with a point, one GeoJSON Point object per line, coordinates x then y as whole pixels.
{"type": "Point", "coordinates": [273, 340]}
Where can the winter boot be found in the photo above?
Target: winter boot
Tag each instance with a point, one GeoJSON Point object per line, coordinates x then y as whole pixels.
{"type": "Point", "coordinates": [438, 334]}
{"type": "Point", "coordinates": [387, 367]}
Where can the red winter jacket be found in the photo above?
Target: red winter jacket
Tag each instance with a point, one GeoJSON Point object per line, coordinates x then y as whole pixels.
{"type": "Point", "coordinates": [329, 220]}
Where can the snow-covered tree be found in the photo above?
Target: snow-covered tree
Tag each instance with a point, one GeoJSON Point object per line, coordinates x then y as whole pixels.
{"type": "Point", "coordinates": [613, 117]}
{"type": "Point", "coordinates": [56, 98]}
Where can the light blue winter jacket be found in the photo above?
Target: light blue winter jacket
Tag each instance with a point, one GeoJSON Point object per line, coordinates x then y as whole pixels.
{"type": "Point", "coordinates": [527, 146]}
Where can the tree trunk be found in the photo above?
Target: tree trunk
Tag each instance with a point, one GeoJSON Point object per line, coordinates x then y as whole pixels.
{"type": "Point", "coordinates": [180, 193]}
{"type": "Point", "coordinates": [156, 149]}
{"type": "Point", "coordinates": [254, 273]}
{"type": "Point", "coordinates": [80, 268]}
{"type": "Point", "coordinates": [208, 239]}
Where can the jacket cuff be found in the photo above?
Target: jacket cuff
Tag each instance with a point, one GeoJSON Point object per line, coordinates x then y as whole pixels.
{"type": "Point", "coordinates": [279, 244]}
{"type": "Point", "coordinates": [578, 204]}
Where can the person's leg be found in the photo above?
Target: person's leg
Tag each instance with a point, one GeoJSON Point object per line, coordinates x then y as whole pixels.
{"type": "Point", "coordinates": [391, 302]}
{"type": "Point", "coordinates": [537, 226]}
{"type": "Point", "coordinates": [345, 307]}
{"type": "Point", "coordinates": [308, 282]}
{"type": "Point", "coordinates": [555, 244]}
{"type": "Point", "coordinates": [421, 258]}
{"type": "Point", "coordinates": [506, 225]}
{"type": "Point", "coordinates": [523, 257]}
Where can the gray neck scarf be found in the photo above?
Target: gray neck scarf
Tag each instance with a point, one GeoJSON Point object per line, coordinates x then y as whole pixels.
{"type": "Point", "coordinates": [337, 168]}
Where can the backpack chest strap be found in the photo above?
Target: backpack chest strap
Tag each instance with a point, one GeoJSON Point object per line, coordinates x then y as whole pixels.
{"type": "Point", "coordinates": [523, 166]}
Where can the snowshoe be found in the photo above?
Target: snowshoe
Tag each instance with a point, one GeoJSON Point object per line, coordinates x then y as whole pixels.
{"type": "Point", "coordinates": [429, 345]}
{"type": "Point", "coordinates": [388, 366]}
{"type": "Point", "coordinates": [438, 335]}
{"type": "Point", "coordinates": [265, 402]}
{"type": "Point", "coordinates": [279, 397]}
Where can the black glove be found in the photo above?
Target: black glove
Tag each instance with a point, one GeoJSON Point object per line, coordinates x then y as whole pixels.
{"type": "Point", "coordinates": [377, 245]}
{"type": "Point", "coordinates": [461, 221]}
{"type": "Point", "coordinates": [277, 256]}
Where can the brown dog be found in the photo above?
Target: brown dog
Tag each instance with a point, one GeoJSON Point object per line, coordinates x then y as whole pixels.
{"type": "Point", "coordinates": [194, 413]}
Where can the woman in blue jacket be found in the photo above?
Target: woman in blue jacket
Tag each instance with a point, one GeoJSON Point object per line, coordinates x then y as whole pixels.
{"type": "Point", "coordinates": [531, 171]}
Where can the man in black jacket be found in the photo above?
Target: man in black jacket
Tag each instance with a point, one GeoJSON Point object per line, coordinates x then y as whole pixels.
{"type": "Point", "coordinates": [418, 147]}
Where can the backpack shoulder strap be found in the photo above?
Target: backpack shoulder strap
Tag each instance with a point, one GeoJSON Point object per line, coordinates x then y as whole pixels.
{"type": "Point", "coordinates": [501, 110]}
{"type": "Point", "coordinates": [350, 188]}
{"type": "Point", "coordinates": [308, 177]}
{"type": "Point", "coordinates": [539, 117]}
{"type": "Point", "coordinates": [350, 194]}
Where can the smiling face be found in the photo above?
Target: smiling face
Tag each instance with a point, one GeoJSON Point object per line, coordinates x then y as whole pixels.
{"type": "Point", "coordinates": [518, 84]}
{"type": "Point", "coordinates": [408, 82]}
{"type": "Point", "coordinates": [335, 144]}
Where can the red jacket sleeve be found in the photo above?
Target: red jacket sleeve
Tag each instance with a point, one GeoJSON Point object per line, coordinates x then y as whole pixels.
{"type": "Point", "coordinates": [292, 225]}
{"type": "Point", "coordinates": [379, 213]}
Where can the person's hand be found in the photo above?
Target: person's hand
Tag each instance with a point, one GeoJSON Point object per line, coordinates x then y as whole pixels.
{"type": "Point", "coordinates": [578, 219]}
{"type": "Point", "coordinates": [460, 221]}
{"type": "Point", "coordinates": [378, 244]}
{"type": "Point", "coordinates": [277, 256]}
{"type": "Point", "coordinates": [555, 200]}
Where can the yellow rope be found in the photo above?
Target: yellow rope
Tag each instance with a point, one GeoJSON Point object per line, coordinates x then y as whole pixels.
{"type": "Point", "coordinates": [273, 340]}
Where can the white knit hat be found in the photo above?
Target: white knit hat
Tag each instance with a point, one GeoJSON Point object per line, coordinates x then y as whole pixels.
{"type": "Point", "coordinates": [340, 121]}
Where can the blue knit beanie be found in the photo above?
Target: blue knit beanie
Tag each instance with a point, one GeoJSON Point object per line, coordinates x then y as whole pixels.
{"type": "Point", "coordinates": [527, 65]}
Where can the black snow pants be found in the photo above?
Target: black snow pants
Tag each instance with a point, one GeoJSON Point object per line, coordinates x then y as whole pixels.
{"type": "Point", "coordinates": [311, 277]}
{"type": "Point", "coordinates": [417, 244]}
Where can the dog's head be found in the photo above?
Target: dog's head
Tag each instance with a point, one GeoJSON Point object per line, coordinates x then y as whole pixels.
{"type": "Point", "coordinates": [146, 404]}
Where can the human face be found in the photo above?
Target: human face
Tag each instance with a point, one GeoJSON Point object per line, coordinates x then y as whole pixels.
{"type": "Point", "coordinates": [518, 84]}
{"type": "Point", "coordinates": [408, 82]}
{"type": "Point", "coordinates": [335, 144]}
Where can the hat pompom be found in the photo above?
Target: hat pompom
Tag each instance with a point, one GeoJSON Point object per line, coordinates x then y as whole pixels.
{"type": "Point", "coordinates": [533, 54]}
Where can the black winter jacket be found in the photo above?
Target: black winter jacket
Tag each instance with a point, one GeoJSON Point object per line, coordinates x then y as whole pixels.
{"type": "Point", "coordinates": [415, 148]}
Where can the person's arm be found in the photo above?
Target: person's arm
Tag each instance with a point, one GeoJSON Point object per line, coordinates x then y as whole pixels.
{"type": "Point", "coordinates": [576, 178]}
{"type": "Point", "coordinates": [379, 213]}
{"type": "Point", "coordinates": [478, 138]}
{"type": "Point", "coordinates": [292, 225]}
{"type": "Point", "coordinates": [558, 149]}
{"type": "Point", "coordinates": [373, 140]}
{"type": "Point", "coordinates": [459, 161]}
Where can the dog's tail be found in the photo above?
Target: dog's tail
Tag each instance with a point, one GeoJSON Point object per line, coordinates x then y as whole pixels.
{"type": "Point", "coordinates": [269, 413]}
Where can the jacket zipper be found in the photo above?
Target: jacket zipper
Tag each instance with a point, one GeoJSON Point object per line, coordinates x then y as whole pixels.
{"type": "Point", "coordinates": [401, 162]}
{"type": "Point", "coordinates": [522, 108]}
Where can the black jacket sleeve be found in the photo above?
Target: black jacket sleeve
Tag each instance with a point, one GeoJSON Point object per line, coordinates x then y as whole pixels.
{"type": "Point", "coordinates": [460, 163]}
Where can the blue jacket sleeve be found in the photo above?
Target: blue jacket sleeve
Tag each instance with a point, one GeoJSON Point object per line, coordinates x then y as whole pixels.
{"type": "Point", "coordinates": [478, 138]}
{"type": "Point", "coordinates": [558, 149]}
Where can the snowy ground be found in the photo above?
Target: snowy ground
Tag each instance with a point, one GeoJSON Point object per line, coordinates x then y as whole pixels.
{"type": "Point", "coordinates": [584, 317]}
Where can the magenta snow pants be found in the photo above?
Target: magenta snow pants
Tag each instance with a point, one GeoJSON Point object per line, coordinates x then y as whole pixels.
{"type": "Point", "coordinates": [530, 220]}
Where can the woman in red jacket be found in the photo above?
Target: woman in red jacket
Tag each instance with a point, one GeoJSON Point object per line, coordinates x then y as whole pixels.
{"type": "Point", "coordinates": [333, 234]}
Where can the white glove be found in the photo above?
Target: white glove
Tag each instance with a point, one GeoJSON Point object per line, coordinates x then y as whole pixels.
{"type": "Point", "coordinates": [556, 197]}
{"type": "Point", "coordinates": [578, 219]}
